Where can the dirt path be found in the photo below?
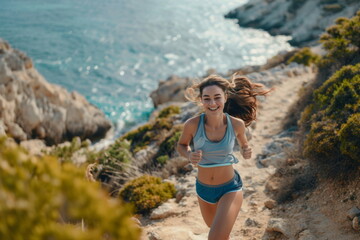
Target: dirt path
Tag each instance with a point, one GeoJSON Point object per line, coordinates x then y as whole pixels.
{"type": "Point", "coordinates": [253, 218]}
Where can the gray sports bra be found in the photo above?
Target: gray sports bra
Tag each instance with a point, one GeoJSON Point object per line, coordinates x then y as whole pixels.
{"type": "Point", "coordinates": [215, 154]}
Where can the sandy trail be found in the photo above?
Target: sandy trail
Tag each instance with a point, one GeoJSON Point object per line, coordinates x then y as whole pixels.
{"type": "Point", "coordinates": [188, 224]}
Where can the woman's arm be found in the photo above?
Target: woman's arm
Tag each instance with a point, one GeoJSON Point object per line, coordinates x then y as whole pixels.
{"type": "Point", "coordinates": [183, 146]}
{"type": "Point", "coordinates": [239, 128]}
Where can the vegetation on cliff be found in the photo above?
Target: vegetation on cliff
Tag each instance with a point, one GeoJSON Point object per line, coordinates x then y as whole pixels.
{"type": "Point", "coordinates": [42, 198]}
{"type": "Point", "coordinates": [304, 56]}
{"type": "Point", "coordinates": [331, 120]}
{"type": "Point", "coordinates": [115, 165]}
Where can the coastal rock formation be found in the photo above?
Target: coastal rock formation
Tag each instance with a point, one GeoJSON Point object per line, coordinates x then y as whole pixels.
{"type": "Point", "coordinates": [30, 107]}
{"type": "Point", "coordinates": [170, 90]}
{"type": "Point", "coordinates": [304, 20]}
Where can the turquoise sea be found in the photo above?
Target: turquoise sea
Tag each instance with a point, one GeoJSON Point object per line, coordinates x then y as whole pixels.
{"type": "Point", "coordinates": [114, 52]}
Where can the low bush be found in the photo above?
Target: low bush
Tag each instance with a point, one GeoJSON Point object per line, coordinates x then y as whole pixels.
{"type": "Point", "coordinates": [342, 43]}
{"type": "Point", "coordinates": [169, 111]}
{"type": "Point", "coordinates": [65, 152]}
{"type": "Point", "coordinates": [162, 159]}
{"type": "Point", "coordinates": [147, 192]}
{"type": "Point", "coordinates": [116, 155]}
{"type": "Point", "coordinates": [304, 56]}
{"type": "Point", "coordinates": [140, 137]}
{"type": "Point", "coordinates": [322, 144]}
{"type": "Point", "coordinates": [167, 147]}
{"type": "Point", "coordinates": [151, 132]}
{"type": "Point", "coordinates": [43, 199]}
{"type": "Point", "coordinates": [339, 95]}
{"type": "Point", "coordinates": [333, 123]}
{"type": "Point", "coordinates": [349, 135]}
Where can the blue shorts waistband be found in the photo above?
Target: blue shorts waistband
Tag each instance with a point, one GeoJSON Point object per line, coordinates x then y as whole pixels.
{"type": "Point", "coordinates": [220, 185]}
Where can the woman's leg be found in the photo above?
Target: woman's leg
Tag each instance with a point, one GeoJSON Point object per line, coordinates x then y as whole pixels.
{"type": "Point", "coordinates": [227, 211]}
{"type": "Point", "coordinates": [208, 211]}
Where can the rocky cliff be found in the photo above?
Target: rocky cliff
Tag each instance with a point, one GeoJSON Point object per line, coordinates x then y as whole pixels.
{"type": "Point", "coordinates": [304, 20]}
{"type": "Point", "coordinates": [30, 107]}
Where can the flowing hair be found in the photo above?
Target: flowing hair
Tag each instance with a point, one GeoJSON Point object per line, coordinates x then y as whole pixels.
{"type": "Point", "coordinates": [240, 91]}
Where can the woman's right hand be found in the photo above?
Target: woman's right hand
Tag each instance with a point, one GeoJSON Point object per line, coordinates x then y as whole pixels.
{"type": "Point", "coordinates": [195, 157]}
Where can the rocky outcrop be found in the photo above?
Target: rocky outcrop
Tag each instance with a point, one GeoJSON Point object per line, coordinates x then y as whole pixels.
{"type": "Point", "coordinates": [304, 20]}
{"type": "Point", "coordinates": [30, 107]}
{"type": "Point", "coordinates": [275, 152]}
{"type": "Point", "coordinates": [172, 89]}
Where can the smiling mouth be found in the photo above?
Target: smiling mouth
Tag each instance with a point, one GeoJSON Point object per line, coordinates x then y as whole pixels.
{"type": "Point", "coordinates": [213, 109]}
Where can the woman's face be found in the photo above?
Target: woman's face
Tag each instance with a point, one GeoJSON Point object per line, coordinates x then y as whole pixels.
{"type": "Point", "coordinates": [213, 99]}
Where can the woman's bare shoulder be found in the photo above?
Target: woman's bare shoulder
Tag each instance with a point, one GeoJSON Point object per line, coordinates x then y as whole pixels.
{"type": "Point", "coordinates": [192, 122]}
{"type": "Point", "coordinates": [238, 124]}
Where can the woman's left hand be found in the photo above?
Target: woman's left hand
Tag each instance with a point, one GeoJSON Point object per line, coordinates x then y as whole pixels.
{"type": "Point", "coordinates": [246, 152]}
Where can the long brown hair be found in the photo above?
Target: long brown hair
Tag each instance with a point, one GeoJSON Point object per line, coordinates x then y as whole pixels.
{"type": "Point", "coordinates": [240, 91]}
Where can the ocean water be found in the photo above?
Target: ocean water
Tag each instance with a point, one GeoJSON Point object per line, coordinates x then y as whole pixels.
{"type": "Point", "coordinates": [114, 52]}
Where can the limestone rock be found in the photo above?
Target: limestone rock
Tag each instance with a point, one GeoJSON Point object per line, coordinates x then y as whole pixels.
{"type": "Point", "coordinates": [270, 204]}
{"type": "Point", "coordinates": [279, 225]}
{"type": "Point", "coordinates": [272, 185]}
{"type": "Point", "coordinates": [353, 212]}
{"type": "Point", "coordinates": [30, 107]}
{"type": "Point", "coordinates": [2, 128]}
{"type": "Point", "coordinates": [252, 223]}
{"type": "Point", "coordinates": [15, 131]}
{"type": "Point", "coordinates": [170, 90]}
{"type": "Point", "coordinates": [34, 146]}
{"type": "Point", "coordinates": [306, 235]}
{"type": "Point", "coordinates": [153, 236]}
{"type": "Point", "coordinates": [165, 210]}
{"type": "Point", "coordinates": [356, 223]}
{"type": "Point", "coordinates": [248, 191]}
{"type": "Point", "coordinates": [275, 160]}
{"type": "Point", "coordinates": [305, 21]}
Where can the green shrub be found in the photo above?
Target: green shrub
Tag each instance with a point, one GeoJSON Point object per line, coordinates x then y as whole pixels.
{"type": "Point", "coordinates": [65, 152]}
{"type": "Point", "coordinates": [350, 137]}
{"type": "Point", "coordinates": [151, 132]}
{"type": "Point", "coordinates": [340, 94]}
{"type": "Point", "coordinates": [139, 137]}
{"type": "Point", "coordinates": [162, 159]}
{"type": "Point", "coordinates": [163, 123]}
{"type": "Point", "coordinates": [345, 100]}
{"type": "Point", "coordinates": [342, 42]}
{"type": "Point", "coordinates": [147, 192]}
{"type": "Point", "coordinates": [167, 147]}
{"type": "Point", "coordinates": [332, 138]}
{"type": "Point", "coordinates": [322, 143]}
{"type": "Point", "coordinates": [117, 154]}
{"type": "Point", "coordinates": [324, 94]}
{"type": "Point", "coordinates": [304, 56]}
{"type": "Point", "coordinates": [168, 111]}
{"type": "Point", "coordinates": [43, 199]}
{"type": "Point", "coordinates": [306, 116]}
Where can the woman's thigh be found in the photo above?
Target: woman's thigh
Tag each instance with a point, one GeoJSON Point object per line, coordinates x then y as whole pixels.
{"type": "Point", "coordinates": [227, 211]}
{"type": "Point", "coordinates": [208, 211]}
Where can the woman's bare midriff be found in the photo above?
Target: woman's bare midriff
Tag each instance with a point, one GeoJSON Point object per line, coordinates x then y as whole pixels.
{"type": "Point", "coordinates": [215, 175]}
